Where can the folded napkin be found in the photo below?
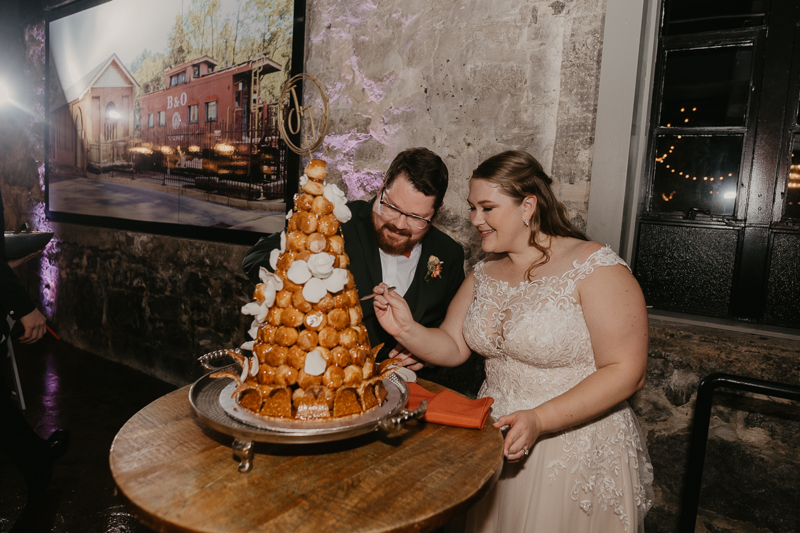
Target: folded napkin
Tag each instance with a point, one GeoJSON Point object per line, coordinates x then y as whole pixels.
{"type": "Point", "coordinates": [449, 408]}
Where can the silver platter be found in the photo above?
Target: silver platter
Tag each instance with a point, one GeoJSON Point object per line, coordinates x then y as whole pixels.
{"type": "Point", "coordinates": [212, 404]}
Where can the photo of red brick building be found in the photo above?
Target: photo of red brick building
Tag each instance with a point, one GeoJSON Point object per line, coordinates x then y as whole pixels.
{"type": "Point", "coordinates": [94, 122]}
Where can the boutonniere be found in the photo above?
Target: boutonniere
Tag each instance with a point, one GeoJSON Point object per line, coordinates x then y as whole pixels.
{"type": "Point", "coordinates": [434, 268]}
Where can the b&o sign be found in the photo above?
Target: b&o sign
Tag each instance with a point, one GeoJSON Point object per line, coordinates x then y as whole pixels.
{"type": "Point", "coordinates": [175, 101]}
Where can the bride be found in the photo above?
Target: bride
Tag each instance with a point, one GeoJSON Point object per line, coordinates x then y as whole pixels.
{"type": "Point", "coordinates": [562, 324]}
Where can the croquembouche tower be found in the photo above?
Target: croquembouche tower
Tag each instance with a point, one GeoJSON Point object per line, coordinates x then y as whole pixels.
{"type": "Point", "coordinates": [311, 357]}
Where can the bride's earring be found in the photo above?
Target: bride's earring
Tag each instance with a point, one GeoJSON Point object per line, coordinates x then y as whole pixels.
{"type": "Point", "coordinates": [527, 222]}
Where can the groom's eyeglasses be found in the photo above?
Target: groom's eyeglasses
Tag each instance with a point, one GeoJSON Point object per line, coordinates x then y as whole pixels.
{"type": "Point", "coordinates": [391, 212]}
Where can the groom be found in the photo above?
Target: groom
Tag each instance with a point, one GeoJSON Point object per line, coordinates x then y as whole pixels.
{"type": "Point", "coordinates": [390, 239]}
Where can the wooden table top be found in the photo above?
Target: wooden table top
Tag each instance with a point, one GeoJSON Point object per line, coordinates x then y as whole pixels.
{"type": "Point", "coordinates": [178, 475]}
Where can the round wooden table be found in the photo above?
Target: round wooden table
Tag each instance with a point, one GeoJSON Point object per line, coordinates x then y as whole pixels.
{"type": "Point", "coordinates": [177, 475]}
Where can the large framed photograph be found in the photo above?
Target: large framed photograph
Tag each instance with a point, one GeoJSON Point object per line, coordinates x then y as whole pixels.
{"type": "Point", "coordinates": [162, 115]}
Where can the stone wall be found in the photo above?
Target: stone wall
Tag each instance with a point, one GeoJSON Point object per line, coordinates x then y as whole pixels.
{"type": "Point", "coordinates": [753, 454]}
{"type": "Point", "coordinates": [467, 79]}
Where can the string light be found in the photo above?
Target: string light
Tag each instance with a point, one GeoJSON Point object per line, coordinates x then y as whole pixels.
{"type": "Point", "coordinates": [727, 195]}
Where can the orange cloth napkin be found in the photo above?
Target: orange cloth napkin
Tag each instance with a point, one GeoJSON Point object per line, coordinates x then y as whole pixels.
{"type": "Point", "coordinates": [449, 408]}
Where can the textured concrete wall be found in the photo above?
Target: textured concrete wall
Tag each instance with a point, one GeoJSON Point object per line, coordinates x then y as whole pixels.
{"type": "Point", "coordinates": [467, 79]}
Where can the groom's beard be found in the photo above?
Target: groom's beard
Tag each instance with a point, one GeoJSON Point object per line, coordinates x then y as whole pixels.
{"type": "Point", "coordinates": [392, 244]}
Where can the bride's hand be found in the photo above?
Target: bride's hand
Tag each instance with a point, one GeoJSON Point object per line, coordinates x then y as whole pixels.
{"type": "Point", "coordinates": [525, 428]}
{"type": "Point", "coordinates": [392, 311]}
{"type": "Point", "coordinates": [405, 358]}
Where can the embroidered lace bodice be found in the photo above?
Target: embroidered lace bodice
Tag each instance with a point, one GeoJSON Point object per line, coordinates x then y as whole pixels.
{"type": "Point", "coordinates": [537, 346]}
{"type": "Point", "coordinates": [533, 335]}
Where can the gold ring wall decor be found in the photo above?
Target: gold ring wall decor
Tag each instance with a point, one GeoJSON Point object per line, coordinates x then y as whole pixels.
{"type": "Point", "coordinates": [309, 121]}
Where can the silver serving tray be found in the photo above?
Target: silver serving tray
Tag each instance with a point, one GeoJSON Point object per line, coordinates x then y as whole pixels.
{"type": "Point", "coordinates": [395, 400]}
{"type": "Point", "coordinates": [210, 397]}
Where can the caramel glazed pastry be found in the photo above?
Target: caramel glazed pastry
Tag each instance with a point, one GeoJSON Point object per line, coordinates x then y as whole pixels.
{"type": "Point", "coordinates": [311, 355]}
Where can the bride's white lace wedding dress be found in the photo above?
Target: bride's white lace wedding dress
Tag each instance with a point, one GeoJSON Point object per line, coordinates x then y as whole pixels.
{"type": "Point", "coordinates": [593, 477]}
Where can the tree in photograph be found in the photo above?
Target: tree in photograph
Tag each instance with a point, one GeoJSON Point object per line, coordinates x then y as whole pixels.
{"type": "Point", "coordinates": [149, 72]}
{"type": "Point", "coordinates": [179, 47]}
{"type": "Point", "coordinates": [269, 34]}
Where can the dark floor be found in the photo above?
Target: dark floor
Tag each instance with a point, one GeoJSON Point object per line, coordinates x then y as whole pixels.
{"type": "Point", "coordinates": [68, 388]}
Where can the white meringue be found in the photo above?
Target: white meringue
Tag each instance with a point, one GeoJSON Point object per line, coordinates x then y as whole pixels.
{"type": "Point", "coordinates": [283, 241]}
{"type": "Point", "coordinates": [274, 255]}
{"type": "Point", "coordinates": [342, 213]}
{"type": "Point", "coordinates": [248, 346]}
{"type": "Point", "coordinates": [277, 281]}
{"type": "Point", "coordinates": [265, 294]}
{"type": "Point", "coordinates": [263, 274]}
{"type": "Point", "coordinates": [263, 310]}
{"type": "Point", "coordinates": [298, 273]}
{"type": "Point", "coordinates": [303, 180]}
{"type": "Point", "coordinates": [321, 265]}
{"type": "Point", "coordinates": [334, 194]}
{"type": "Point", "coordinates": [315, 364]}
{"type": "Point", "coordinates": [268, 277]}
{"type": "Point", "coordinates": [289, 214]}
{"type": "Point", "coordinates": [336, 281]}
{"type": "Point", "coordinates": [251, 309]}
{"type": "Point", "coordinates": [253, 332]}
{"type": "Point", "coordinates": [314, 290]}
{"type": "Point", "coordinates": [245, 370]}
{"type": "Point", "coordinates": [339, 200]}
{"type": "Point", "coordinates": [253, 365]}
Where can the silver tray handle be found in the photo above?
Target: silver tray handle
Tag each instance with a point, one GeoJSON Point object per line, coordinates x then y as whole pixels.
{"type": "Point", "coordinates": [394, 423]}
{"type": "Point", "coordinates": [208, 359]}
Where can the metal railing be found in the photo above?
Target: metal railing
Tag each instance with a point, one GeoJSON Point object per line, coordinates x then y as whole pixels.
{"type": "Point", "coordinates": [109, 152]}
{"type": "Point", "coordinates": [224, 157]}
{"type": "Point", "coordinates": [702, 417]}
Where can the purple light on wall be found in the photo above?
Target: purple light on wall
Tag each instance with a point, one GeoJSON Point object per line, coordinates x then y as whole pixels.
{"type": "Point", "coordinates": [48, 266]}
{"type": "Point", "coordinates": [360, 183]}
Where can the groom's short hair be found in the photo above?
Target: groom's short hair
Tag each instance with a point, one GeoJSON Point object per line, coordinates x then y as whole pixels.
{"type": "Point", "coordinates": [424, 169]}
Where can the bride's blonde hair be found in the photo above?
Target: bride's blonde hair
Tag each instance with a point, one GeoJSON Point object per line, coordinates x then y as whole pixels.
{"type": "Point", "coordinates": [518, 174]}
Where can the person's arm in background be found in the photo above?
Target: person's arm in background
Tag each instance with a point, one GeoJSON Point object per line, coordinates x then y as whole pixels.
{"type": "Point", "coordinates": [14, 301]}
{"type": "Point", "coordinates": [258, 256]}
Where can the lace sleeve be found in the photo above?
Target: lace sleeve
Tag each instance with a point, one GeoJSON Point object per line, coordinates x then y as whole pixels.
{"type": "Point", "coordinates": [605, 256]}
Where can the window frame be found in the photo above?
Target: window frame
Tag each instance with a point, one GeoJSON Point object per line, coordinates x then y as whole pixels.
{"type": "Point", "coordinates": [216, 111]}
{"type": "Point", "coordinates": [162, 119]}
{"type": "Point", "coordinates": [791, 128]}
{"type": "Point", "coordinates": [196, 114]}
{"type": "Point", "coordinates": [723, 38]}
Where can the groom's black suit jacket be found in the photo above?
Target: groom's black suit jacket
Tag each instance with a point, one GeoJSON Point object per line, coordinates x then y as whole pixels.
{"type": "Point", "coordinates": [428, 300]}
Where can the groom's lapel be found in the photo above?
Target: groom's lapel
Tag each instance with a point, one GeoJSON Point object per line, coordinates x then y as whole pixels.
{"type": "Point", "coordinates": [415, 296]}
{"type": "Point", "coordinates": [369, 249]}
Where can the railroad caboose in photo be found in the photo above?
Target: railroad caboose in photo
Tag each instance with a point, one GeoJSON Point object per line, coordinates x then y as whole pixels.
{"type": "Point", "coordinates": [211, 124]}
